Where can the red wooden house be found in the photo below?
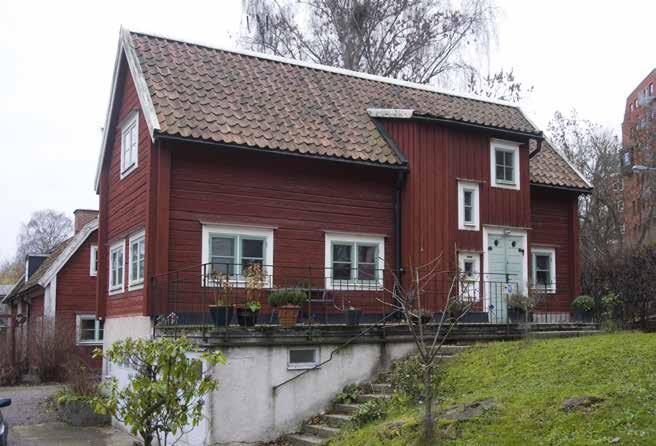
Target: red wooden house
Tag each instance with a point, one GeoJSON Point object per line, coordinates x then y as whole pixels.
{"type": "Point", "coordinates": [333, 180]}
{"type": "Point", "coordinates": [52, 305]}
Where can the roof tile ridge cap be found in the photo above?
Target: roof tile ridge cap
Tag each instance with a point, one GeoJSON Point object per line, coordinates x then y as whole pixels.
{"type": "Point", "coordinates": [336, 70]}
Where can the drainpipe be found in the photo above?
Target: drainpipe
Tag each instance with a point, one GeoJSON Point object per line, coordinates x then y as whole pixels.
{"type": "Point", "coordinates": [398, 188]}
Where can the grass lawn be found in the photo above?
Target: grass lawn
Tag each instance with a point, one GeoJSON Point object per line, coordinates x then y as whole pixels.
{"type": "Point", "coordinates": [529, 381]}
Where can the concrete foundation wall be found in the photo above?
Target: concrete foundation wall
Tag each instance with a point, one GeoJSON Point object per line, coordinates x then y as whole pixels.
{"type": "Point", "coordinates": [245, 409]}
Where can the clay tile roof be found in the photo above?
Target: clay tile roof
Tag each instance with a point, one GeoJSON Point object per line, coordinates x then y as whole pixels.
{"type": "Point", "coordinates": [551, 168]}
{"type": "Point", "coordinates": [268, 103]}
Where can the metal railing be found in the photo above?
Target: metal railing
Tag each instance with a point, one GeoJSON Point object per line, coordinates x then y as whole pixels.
{"type": "Point", "coordinates": [185, 296]}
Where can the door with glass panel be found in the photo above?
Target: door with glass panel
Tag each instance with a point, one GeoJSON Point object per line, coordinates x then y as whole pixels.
{"type": "Point", "coordinates": [505, 273]}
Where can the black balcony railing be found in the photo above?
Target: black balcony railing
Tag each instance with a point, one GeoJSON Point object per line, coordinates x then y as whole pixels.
{"type": "Point", "coordinates": [184, 297]}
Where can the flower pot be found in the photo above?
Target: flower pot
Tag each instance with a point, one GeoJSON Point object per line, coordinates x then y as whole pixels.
{"type": "Point", "coordinates": [246, 317]}
{"type": "Point", "coordinates": [352, 317]}
{"type": "Point", "coordinates": [516, 315]}
{"type": "Point", "coordinates": [288, 314]}
{"type": "Point", "coordinates": [221, 315]}
{"type": "Point", "coordinates": [582, 315]}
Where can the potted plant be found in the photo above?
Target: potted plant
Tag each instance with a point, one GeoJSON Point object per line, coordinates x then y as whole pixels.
{"type": "Point", "coordinates": [221, 312]}
{"type": "Point", "coordinates": [352, 316]}
{"type": "Point", "coordinates": [255, 280]}
{"type": "Point", "coordinates": [287, 304]}
{"type": "Point", "coordinates": [582, 306]}
{"type": "Point", "coordinates": [519, 307]}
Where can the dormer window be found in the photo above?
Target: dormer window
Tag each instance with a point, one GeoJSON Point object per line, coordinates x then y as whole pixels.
{"type": "Point", "coordinates": [129, 144]}
{"type": "Point", "coordinates": [504, 164]}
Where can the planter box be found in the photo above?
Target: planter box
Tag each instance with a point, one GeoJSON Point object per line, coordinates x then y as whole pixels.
{"type": "Point", "coordinates": [221, 316]}
{"type": "Point", "coordinates": [246, 317]}
{"type": "Point", "coordinates": [582, 316]}
{"type": "Point", "coordinates": [81, 413]}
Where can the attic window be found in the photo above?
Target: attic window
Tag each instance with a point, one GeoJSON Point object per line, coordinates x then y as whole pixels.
{"type": "Point", "coordinates": [504, 163]}
{"type": "Point", "coordinates": [129, 144]}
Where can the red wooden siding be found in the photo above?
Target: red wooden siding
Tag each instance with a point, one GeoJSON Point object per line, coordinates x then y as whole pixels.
{"type": "Point", "coordinates": [438, 156]}
{"type": "Point", "coordinates": [301, 198]}
{"type": "Point", "coordinates": [123, 202]}
{"type": "Point", "coordinates": [555, 225]}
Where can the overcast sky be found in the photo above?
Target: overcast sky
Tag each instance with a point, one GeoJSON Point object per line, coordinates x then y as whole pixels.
{"type": "Point", "coordinates": [56, 61]}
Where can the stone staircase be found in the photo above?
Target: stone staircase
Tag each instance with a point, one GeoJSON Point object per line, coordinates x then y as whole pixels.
{"type": "Point", "coordinates": [320, 429]}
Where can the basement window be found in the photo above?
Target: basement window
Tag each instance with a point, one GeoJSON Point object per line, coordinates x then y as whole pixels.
{"type": "Point", "coordinates": [302, 358]}
{"type": "Point", "coordinates": [504, 162]}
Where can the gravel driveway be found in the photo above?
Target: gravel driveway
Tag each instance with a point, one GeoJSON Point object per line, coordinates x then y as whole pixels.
{"type": "Point", "coordinates": [28, 404]}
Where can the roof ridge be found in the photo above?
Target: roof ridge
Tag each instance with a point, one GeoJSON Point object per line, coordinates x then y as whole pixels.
{"type": "Point", "coordinates": [335, 70]}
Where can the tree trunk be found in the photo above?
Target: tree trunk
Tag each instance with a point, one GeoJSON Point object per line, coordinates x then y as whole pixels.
{"type": "Point", "coordinates": [428, 401]}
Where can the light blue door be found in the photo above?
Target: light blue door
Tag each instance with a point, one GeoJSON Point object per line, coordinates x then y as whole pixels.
{"type": "Point", "coordinates": [505, 273]}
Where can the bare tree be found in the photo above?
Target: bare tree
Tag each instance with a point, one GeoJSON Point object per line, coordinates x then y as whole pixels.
{"type": "Point", "coordinates": [409, 300]}
{"type": "Point", "coordinates": [10, 271]}
{"type": "Point", "coordinates": [413, 40]}
{"type": "Point", "coordinates": [595, 152]}
{"type": "Point", "coordinates": [43, 232]}
{"type": "Point", "coordinates": [500, 85]}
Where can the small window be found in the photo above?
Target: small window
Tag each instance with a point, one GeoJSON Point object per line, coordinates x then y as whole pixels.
{"type": "Point", "coordinates": [505, 164]}
{"type": "Point", "coordinates": [232, 250]}
{"type": "Point", "coordinates": [354, 261]}
{"type": "Point", "coordinates": [116, 266]}
{"type": "Point", "coordinates": [468, 206]}
{"type": "Point", "coordinates": [303, 358]}
{"type": "Point", "coordinates": [469, 266]}
{"type": "Point", "coordinates": [130, 144]}
{"type": "Point", "coordinates": [544, 269]}
{"type": "Point", "coordinates": [93, 260]}
{"type": "Point", "coordinates": [651, 88]}
{"type": "Point", "coordinates": [89, 329]}
{"type": "Point", "coordinates": [137, 255]}
{"type": "Point", "coordinates": [626, 158]}
{"type": "Point", "coordinates": [620, 206]}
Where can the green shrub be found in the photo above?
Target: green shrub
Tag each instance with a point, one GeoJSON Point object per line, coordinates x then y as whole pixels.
{"type": "Point", "coordinates": [583, 303]}
{"type": "Point", "coordinates": [253, 306]}
{"type": "Point", "coordinates": [348, 395]}
{"type": "Point", "coordinates": [287, 297]}
{"type": "Point", "coordinates": [407, 378]}
{"type": "Point", "coordinates": [369, 411]}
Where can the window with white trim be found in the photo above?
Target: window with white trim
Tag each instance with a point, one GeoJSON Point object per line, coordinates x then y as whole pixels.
{"type": "Point", "coordinates": [89, 329]}
{"type": "Point", "coordinates": [468, 206]}
{"type": "Point", "coordinates": [116, 267]}
{"type": "Point", "coordinates": [544, 269]}
{"type": "Point", "coordinates": [469, 265]}
{"type": "Point", "coordinates": [137, 254]}
{"type": "Point", "coordinates": [93, 260]}
{"type": "Point", "coordinates": [130, 144]}
{"type": "Point", "coordinates": [354, 261]}
{"type": "Point", "coordinates": [504, 161]}
{"type": "Point", "coordinates": [302, 358]}
{"type": "Point", "coordinates": [232, 249]}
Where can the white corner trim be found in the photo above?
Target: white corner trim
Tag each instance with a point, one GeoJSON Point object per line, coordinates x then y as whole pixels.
{"type": "Point", "coordinates": [400, 113]}
{"type": "Point", "coordinates": [50, 299]}
{"type": "Point", "coordinates": [125, 47]}
{"type": "Point", "coordinates": [509, 146]}
{"type": "Point", "coordinates": [73, 246]}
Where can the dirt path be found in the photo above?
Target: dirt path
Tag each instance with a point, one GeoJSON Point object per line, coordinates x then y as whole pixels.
{"type": "Point", "coordinates": [28, 404]}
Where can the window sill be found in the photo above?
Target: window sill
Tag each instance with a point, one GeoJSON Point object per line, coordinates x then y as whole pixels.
{"type": "Point", "coordinates": [353, 286]}
{"type": "Point", "coordinates": [116, 291]}
{"type": "Point", "coordinates": [128, 171]}
{"type": "Point", "coordinates": [468, 227]}
{"type": "Point", "coordinates": [511, 186]}
{"type": "Point", "coordinates": [136, 286]}
{"type": "Point", "coordinates": [89, 343]}
{"type": "Point", "coordinates": [302, 366]}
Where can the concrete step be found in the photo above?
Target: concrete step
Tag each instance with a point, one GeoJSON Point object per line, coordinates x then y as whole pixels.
{"type": "Point", "coordinates": [345, 408]}
{"type": "Point", "coordinates": [384, 388]}
{"type": "Point", "coordinates": [336, 419]}
{"type": "Point", "coordinates": [373, 396]}
{"type": "Point", "coordinates": [305, 440]}
{"type": "Point", "coordinates": [321, 430]}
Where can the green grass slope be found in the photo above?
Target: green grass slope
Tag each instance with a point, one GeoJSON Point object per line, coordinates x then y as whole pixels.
{"type": "Point", "coordinates": [529, 381]}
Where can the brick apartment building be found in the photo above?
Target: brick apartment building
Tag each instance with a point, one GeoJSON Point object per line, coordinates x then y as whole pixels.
{"type": "Point", "coordinates": [638, 159]}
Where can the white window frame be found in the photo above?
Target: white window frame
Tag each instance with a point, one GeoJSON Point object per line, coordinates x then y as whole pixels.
{"type": "Point", "coordinates": [505, 146]}
{"type": "Point", "coordinates": [118, 288]}
{"type": "Point", "coordinates": [78, 327]}
{"type": "Point", "coordinates": [135, 283]}
{"type": "Point", "coordinates": [237, 231]}
{"type": "Point", "coordinates": [304, 365]}
{"type": "Point", "coordinates": [93, 260]}
{"type": "Point", "coordinates": [354, 239]}
{"type": "Point", "coordinates": [474, 225]}
{"type": "Point", "coordinates": [551, 252]}
{"type": "Point", "coordinates": [130, 128]}
{"type": "Point", "coordinates": [473, 289]}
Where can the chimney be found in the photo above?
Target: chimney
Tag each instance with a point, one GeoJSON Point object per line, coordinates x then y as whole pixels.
{"type": "Point", "coordinates": [82, 217]}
